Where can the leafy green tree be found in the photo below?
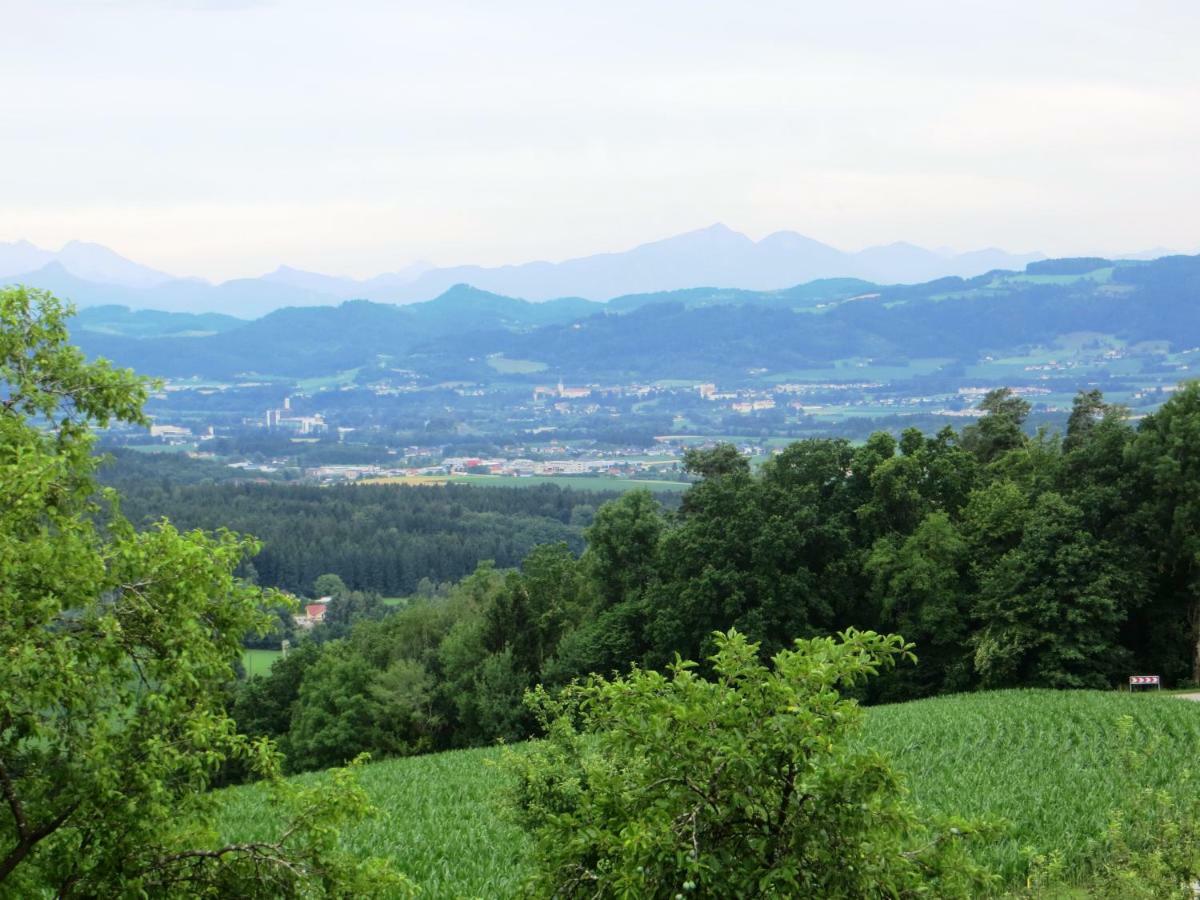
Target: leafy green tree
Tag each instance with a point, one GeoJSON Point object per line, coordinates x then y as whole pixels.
{"type": "Point", "coordinates": [329, 585]}
{"type": "Point", "coordinates": [537, 606]}
{"type": "Point", "coordinates": [922, 585]}
{"type": "Point", "coordinates": [336, 716]}
{"type": "Point", "coordinates": [1087, 409]}
{"type": "Point", "coordinates": [115, 649]}
{"type": "Point", "coordinates": [770, 554]}
{"type": "Point", "coordinates": [751, 784]}
{"type": "Point", "coordinates": [1166, 457]}
{"type": "Point", "coordinates": [404, 701]}
{"type": "Point", "coordinates": [1000, 428]}
{"type": "Point", "coordinates": [1051, 607]}
{"type": "Point", "coordinates": [622, 545]}
{"type": "Point", "coordinates": [713, 462]}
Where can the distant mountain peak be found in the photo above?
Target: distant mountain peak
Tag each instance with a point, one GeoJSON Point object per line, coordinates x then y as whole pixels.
{"type": "Point", "coordinates": [83, 259]}
{"type": "Point", "coordinates": [715, 255]}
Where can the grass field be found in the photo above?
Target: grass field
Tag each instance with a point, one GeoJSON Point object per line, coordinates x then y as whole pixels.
{"type": "Point", "coordinates": [579, 482]}
{"type": "Point", "coordinates": [258, 662]}
{"type": "Point", "coordinates": [1048, 763]}
{"type": "Point", "coordinates": [327, 382]}
{"type": "Point", "coordinates": [506, 366]}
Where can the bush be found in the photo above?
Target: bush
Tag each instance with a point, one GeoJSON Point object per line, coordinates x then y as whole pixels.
{"type": "Point", "coordinates": [671, 785]}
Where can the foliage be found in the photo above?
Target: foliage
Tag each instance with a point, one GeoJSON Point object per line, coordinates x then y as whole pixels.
{"type": "Point", "coordinates": [381, 538]}
{"type": "Point", "coordinates": [329, 585]}
{"type": "Point", "coordinates": [1009, 560]}
{"type": "Point", "coordinates": [116, 649]}
{"type": "Point", "coordinates": [657, 785]}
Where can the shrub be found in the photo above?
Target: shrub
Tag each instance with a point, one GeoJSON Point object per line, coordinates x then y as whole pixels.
{"type": "Point", "coordinates": [746, 785]}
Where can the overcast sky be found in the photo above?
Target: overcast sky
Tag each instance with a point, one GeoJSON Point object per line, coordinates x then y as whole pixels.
{"type": "Point", "coordinates": [224, 138]}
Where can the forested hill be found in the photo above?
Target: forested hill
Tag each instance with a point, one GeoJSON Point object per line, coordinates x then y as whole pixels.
{"type": "Point", "coordinates": [1009, 560]}
{"type": "Point", "coordinates": [698, 333]}
{"type": "Point", "coordinates": [383, 538]}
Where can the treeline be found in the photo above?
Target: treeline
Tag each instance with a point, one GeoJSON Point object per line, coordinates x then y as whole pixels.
{"type": "Point", "coordinates": [382, 538]}
{"type": "Point", "coordinates": [1010, 560]}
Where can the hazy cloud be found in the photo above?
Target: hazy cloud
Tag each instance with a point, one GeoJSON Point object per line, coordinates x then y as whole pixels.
{"type": "Point", "coordinates": [356, 137]}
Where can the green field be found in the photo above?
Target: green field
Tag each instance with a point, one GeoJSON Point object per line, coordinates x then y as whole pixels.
{"type": "Point", "coordinates": [438, 819]}
{"type": "Point", "coordinates": [506, 366]}
{"type": "Point", "coordinates": [1048, 763]}
{"type": "Point", "coordinates": [579, 482]}
{"type": "Point", "coordinates": [258, 662]}
{"type": "Point", "coordinates": [162, 448]}
{"type": "Point", "coordinates": [328, 382]}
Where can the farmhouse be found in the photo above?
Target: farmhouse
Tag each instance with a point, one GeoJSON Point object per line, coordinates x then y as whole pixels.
{"type": "Point", "coordinates": [313, 614]}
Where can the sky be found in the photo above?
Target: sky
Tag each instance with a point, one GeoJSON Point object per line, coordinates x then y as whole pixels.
{"type": "Point", "coordinates": [223, 139]}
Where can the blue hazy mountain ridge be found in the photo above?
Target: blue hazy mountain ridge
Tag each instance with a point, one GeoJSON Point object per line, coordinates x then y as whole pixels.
{"type": "Point", "coordinates": [699, 333]}
{"type": "Point", "coordinates": [317, 340]}
{"type": "Point", "coordinates": [152, 323]}
{"type": "Point", "coordinates": [717, 256]}
{"type": "Point", "coordinates": [86, 261]}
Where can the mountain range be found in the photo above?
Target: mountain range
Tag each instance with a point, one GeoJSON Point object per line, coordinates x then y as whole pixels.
{"type": "Point", "coordinates": [717, 257]}
{"type": "Point", "coordinates": [703, 333]}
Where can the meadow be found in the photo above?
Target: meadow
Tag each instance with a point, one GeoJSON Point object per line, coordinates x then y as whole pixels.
{"type": "Point", "coordinates": [1049, 764]}
{"type": "Point", "coordinates": [258, 662]}
{"type": "Point", "coordinates": [578, 482]}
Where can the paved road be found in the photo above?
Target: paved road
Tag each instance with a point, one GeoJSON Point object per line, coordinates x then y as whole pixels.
{"type": "Point", "coordinates": [1195, 697]}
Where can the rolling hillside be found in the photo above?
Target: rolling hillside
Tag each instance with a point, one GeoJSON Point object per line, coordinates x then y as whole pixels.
{"type": "Point", "coordinates": [1048, 763]}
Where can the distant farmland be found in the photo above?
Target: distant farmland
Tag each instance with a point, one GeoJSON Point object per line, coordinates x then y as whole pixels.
{"type": "Point", "coordinates": [579, 482]}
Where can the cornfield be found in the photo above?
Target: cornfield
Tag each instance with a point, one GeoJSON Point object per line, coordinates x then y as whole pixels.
{"type": "Point", "coordinates": [1050, 764]}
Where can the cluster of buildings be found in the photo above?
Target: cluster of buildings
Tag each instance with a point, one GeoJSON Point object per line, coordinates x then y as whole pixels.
{"type": "Point", "coordinates": [285, 420]}
{"type": "Point", "coordinates": [560, 391]}
{"type": "Point", "coordinates": [751, 400]}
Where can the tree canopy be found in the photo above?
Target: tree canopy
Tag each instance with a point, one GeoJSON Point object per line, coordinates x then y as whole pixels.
{"type": "Point", "coordinates": [116, 650]}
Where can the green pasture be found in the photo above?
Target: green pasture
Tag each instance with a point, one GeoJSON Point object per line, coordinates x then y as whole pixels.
{"type": "Point", "coordinates": [328, 382]}
{"type": "Point", "coordinates": [162, 448]}
{"type": "Point", "coordinates": [258, 662]}
{"type": "Point", "coordinates": [578, 482]}
{"type": "Point", "coordinates": [506, 366]}
{"type": "Point", "coordinates": [858, 369]}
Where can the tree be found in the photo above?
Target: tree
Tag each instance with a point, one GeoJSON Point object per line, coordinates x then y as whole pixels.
{"type": "Point", "coordinates": [1051, 607]}
{"type": "Point", "coordinates": [336, 717]}
{"type": "Point", "coordinates": [115, 648]}
{"type": "Point", "coordinates": [329, 585]}
{"type": "Point", "coordinates": [723, 459]}
{"type": "Point", "coordinates": [1087, 409]}
{"type": "Point", "coordinates": [751, 784]}
{"type": "Point", "coordinates": [622, 544]}
{"type": "Point", "coordinates": [1166, 455]}
{"type": "Point", "coordinates": [920, 584]}
{"type": "Point", "coordinates": [1000, 428]}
